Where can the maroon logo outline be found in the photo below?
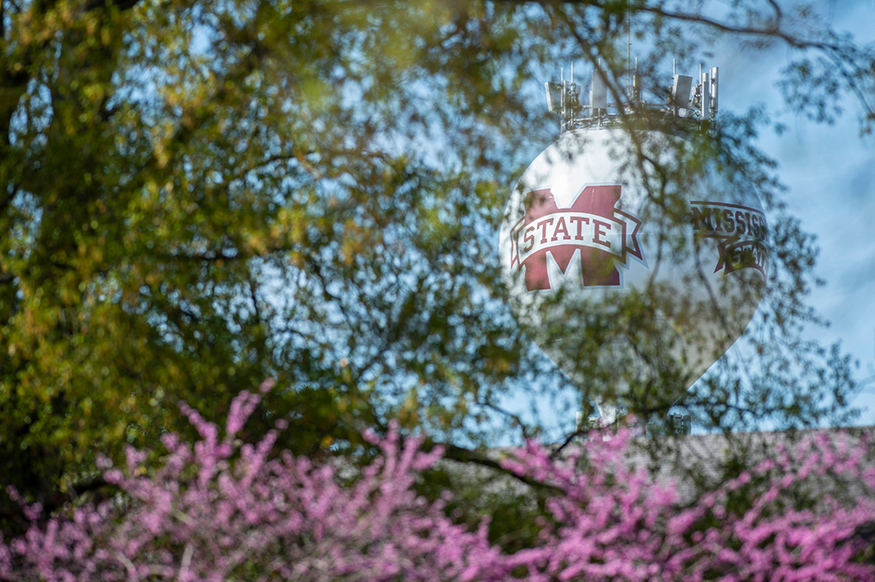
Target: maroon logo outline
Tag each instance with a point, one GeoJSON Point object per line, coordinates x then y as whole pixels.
{"type": "Point", "coordinates": [591, 225]}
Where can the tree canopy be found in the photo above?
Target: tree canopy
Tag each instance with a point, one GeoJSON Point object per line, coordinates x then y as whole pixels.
{"type": "Point", "coordinates": [197, 196]}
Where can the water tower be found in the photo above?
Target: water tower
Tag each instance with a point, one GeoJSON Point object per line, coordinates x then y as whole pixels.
{"type": "Point", "coordinates": [634, 256]}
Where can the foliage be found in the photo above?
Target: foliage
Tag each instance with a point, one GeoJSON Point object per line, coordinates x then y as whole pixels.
{"type": "Point", "coordinates": [198, 195]}
{"type": "Point", "coordinates": [221, 510]}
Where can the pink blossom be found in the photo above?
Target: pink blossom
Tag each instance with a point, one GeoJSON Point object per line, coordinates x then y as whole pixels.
{"type": "Point", "coordinates": [249, 514]}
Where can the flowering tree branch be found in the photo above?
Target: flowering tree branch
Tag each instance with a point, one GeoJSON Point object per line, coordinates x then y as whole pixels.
{"type": "Point", "coordinates": [219, 509]}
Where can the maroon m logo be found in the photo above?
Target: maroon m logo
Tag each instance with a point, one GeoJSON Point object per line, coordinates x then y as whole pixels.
{"type": "Point", "coordinates": [592, 225]}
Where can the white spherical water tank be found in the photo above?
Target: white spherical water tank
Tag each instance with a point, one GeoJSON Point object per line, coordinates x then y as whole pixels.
{"type": "Point", "coordinates": [632, 273]}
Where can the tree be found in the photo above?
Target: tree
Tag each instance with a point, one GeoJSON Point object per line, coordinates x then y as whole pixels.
{"type": "Point", "coordinates": [197, 196]}
{"type": "Point", "coordinates": [218, 510]}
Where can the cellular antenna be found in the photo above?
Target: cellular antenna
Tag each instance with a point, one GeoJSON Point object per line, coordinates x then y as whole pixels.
{"type": "Point", "coordinates": [628, 49]}
{"type": "Point", "coordinates": [693, 98]}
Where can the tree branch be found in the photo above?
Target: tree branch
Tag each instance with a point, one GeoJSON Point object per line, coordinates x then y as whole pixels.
{"type": "Point", "coordinates": [462, 455]}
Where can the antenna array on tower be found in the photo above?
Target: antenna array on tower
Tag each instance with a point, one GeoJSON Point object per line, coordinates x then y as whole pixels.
{"type": "Point", "coordinates": [696, 102]}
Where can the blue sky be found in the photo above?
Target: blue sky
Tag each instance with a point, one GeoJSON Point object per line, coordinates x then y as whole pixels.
{"type": "Point", "coordinates": [830, 172]}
